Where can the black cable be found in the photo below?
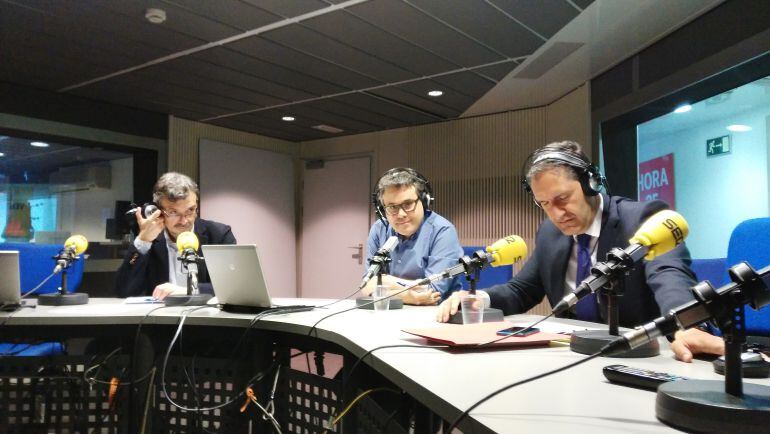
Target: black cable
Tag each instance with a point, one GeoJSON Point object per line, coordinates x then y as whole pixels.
{"type": "Point", "coordinates": [529, 327]}
{"type": "Point", "coordinates": [258, 377]}
{"type": "Point", "coordinates": [518, 383]}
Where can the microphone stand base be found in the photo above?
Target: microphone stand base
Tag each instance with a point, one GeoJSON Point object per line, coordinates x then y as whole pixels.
{"type": "Point", "coordinates": [591, 341]}
{"type": "Point", "coordinates": [187, 300]}
{"type": "Point", "coordinates": [703, 406]}
{"type": "Point", "coordinates": [58, 299]}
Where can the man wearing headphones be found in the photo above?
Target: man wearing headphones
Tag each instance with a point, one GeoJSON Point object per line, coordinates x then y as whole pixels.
{"type": "Point", "coordinates": [583, 225]}
{"type": "Point", "coordinates": [150, 265]}
{"type": "Point", "coordinates": [428, 243]}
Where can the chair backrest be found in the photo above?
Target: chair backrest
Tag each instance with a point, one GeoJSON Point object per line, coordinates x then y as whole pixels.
{"type": "Point", "coordinates": [750, 242]}
{"type": "Point", "coordinates": [712, 270]}
{"type": "Point", "coordinates": [36, 263]}
{"type": "Point", "coordinates": [489, 275]}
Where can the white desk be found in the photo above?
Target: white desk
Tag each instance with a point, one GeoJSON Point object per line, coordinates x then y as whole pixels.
{"type": "Point", "coordinates": [577, 400]}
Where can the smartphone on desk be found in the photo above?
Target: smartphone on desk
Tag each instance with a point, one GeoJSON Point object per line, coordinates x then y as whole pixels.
{"type": "Point", "coordinates": [515, 330]}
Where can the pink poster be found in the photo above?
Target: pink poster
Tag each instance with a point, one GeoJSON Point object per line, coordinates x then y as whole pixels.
{"type": "Point", "coordinates": [656, 180]}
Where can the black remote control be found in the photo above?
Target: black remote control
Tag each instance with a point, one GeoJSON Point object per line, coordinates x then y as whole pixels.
{"type": "Point", "coordinates": [636, 377]}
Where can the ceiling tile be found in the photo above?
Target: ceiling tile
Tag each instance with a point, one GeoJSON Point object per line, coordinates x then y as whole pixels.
{"type": "Point", "coordinates": [422, 30]}
{"type": "Point", "coordinates": [485, 23]}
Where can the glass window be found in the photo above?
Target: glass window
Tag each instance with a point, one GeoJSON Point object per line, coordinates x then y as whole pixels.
{"type": "Point", "coordinates": [709, 160]}
{"type": "Point", "coordinates": [49, 191]}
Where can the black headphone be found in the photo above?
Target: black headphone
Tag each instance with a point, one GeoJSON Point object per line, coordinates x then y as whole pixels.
{"type": "Point", "coordinates": [421, 183]}
{"type": "Point", "coordinates": [591, 179]}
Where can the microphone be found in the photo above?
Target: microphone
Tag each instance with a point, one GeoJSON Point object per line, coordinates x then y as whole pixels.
{"type": "Point", "coordinates": [375, 264]}
{"type": "Point", "coordinates": [73, 246]}
{"type": "Point", "coordinates": [147, 209]}
{"type": "Point", "coordinates": [187, 246]}
{"type": "Point", "coordinates": [748, 287]}
{"type": "Point", "coordinates": [505, 251]}
{"type": "Point", "coordinates": [658, 235]}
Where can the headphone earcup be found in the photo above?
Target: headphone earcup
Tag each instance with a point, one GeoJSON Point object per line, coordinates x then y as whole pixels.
{"type": "Point", "coordinates": [427, 201]}
{"type": "Point", "coordinates": [593, 181]}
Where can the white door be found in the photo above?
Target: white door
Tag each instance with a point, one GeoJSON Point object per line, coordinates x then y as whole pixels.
{"type": "Point", "coordinates": [335, 224]}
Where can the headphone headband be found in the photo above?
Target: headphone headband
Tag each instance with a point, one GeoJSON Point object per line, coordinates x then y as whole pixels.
{"type": "Point", "coordinates": [590, 178]}
{"type": "Point", "coordinates": [422, 185]}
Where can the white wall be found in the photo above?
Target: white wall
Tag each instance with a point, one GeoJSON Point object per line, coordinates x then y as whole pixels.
{"type": "Point", "coordinates": [252, 190]}
{"type": "Point", "coordinates": [714, 194]}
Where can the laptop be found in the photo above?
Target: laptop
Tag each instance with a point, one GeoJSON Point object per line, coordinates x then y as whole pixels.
{"type": "Point", "coordinates": [10, 286]}
{"type": "Point", "coordinates": [237, 278]}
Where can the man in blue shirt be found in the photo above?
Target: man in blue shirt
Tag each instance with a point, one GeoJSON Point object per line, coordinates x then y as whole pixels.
{"type": "Point", "coordinates": [428, 242]}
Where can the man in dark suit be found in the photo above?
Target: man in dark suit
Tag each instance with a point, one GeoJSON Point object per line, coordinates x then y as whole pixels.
{"type": "Point", "coordinates": [150, 265]}
{"type": "Point", "coordinates": [584, 224]}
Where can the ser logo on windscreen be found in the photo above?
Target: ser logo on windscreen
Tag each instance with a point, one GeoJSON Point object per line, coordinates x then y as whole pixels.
{"type": "Point", "coordinates": [676, 231]}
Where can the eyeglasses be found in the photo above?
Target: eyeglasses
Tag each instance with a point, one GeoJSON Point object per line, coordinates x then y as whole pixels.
{"type": "Point", "coordinates": [407, 205]}
{"type": "Point", "coordinates": [187, 214]}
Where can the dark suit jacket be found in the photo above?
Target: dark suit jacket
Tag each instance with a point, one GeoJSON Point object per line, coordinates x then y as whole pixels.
{"type": "Point", "coordinates": [140, 274]}
{"type": "Point", "coordinates": [651, 288]}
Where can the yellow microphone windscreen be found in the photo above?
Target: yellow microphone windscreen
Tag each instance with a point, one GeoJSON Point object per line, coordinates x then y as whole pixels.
{"type": "Point", "coordinates": [186, 240]}
{"type": "Point", "coordinates": [661, 232]}
{"type": "Point", "coordinates": [508, 250]}
{"type": "Point", "coordinates": [78, 242]}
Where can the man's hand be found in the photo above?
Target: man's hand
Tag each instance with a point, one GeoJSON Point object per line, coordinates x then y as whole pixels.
{"type": "Point", "coordinates": [688, 343]}
{"type": "Point", "coordinates": [428, 296]}
{"type": "Point", "coordinates": [150, 227]}
{"type": "Point", "coordinates": [165, 289]}
{"type": "Point", "coordinates": [449, 306]}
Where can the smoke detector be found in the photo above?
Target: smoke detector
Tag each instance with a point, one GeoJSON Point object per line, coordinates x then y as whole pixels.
{"type": "Point", "coordinates": [155, 16]}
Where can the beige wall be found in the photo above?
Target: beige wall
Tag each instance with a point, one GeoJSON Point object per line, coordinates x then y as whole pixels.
{"type": "Point", "coordinates": [474, 164]}
{"type": "Point", "coordinates": [184, 136]}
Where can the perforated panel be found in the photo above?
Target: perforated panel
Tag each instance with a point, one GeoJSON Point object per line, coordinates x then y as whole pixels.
{"type": "Point", "coordinates": [49, 394]}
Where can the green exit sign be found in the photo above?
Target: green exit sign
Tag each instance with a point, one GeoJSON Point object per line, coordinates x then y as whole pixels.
{"type": "Point", "coordinates": [718, 146]}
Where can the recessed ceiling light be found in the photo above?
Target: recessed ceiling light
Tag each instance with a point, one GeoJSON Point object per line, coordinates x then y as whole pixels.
{"type": "Point", "coordinates": [328, 128]}
{"type": "Point", "coordinates": [435, 93]}
{"type": "Point", "coordinates": [155, 15]}
{"type": "Point", "coordinates": [288, 118]}
{"type": "Point", "coordinates": [2, 154]}
{"type": "Point", "coordinates": [684, 108]}
{"type": "Point", "coordinates": [39, 144]}
{"type": "Point", "coordinates": [738, 128]}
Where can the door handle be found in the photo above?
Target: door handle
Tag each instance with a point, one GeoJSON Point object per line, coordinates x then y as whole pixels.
{"type": "Point", "coordinates": [359, 255]}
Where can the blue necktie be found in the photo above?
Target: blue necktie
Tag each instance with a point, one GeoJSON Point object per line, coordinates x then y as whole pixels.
{"type": "Point", "coordinates": [587, 308]}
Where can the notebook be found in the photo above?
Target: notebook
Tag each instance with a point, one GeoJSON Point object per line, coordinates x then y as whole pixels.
{"type": "Point", "coordinates": [10, 286]}
{"type": "Point", "coordinates": [470, 336]}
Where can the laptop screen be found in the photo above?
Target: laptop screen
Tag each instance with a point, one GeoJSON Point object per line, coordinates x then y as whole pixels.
{"type": "Point", "coordinates": [10, 287]}
{"type": "Point", "coordinates": [236, 275]}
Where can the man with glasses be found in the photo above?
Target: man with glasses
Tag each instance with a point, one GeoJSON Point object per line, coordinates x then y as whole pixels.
{"type": "Point", "coordinates": [150, 265]}
{"type": "Point", "coordinates": [428, 242]}
{"type": "Point", "coordinates": [582, 225]}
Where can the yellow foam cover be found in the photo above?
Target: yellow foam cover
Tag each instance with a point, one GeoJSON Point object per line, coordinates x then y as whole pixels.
{"type": "Point", "coordinates": [186, 240]}
{"type": "Point", "coordinates": [78, 242]}
{"type": "Point", "coordinates": [508, 250]}
{"type": "Point", "coordinates": [661, 232]}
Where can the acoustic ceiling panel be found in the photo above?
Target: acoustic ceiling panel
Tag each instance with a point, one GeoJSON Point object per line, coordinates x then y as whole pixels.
{"type": "Point", "coordinates": [364, 67]}
{"type": "Point", "coordinates": [499, 71]}
{"type": "Point", "coordinates": [486, 24]}
{"type": "Point", "coordinates": [354, 32]}
{"type": "Point", "coordinates": [400, 114]}
{"type": "Point", "coordinates": [557, 14]}
{"type": "Point", "coordinates": [309, 64]}
{"type": "Point", "coordinates": [361, 61]}
{"type": "Point", "coordinates": [424, 31]}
